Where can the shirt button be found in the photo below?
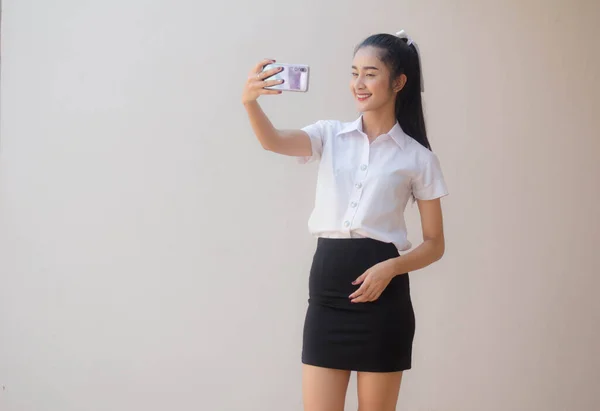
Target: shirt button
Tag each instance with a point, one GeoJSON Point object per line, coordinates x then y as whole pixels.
{"type": "Point", "coordinates": [363, 167]}
{"type": "Point", "coordinates": [358, 185]}
{"type": "Point", "coordinates": [353, 204]}
{"type": "Point", "coordinates": [346, 223]}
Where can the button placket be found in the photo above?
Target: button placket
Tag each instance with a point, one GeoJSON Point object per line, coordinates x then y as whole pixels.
{"type": "Point", "coordinates": [356, 195]}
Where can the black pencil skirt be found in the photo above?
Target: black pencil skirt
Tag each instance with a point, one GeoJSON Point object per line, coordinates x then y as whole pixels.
{"type": "Point", "coordinates": [373, 336]}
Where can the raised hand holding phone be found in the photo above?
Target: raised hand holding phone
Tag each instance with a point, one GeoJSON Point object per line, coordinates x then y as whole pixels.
{"type": "Point", "coordinates": [269, 77]}
{"type": "Point", "coordinates": [294, 76]}
{"type": "Point", "coordinates": [257, 81]}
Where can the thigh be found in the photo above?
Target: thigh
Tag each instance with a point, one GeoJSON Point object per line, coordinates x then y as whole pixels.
{"type": "Point", "coordinates": [324, 389]}
{"type": "Point", "coordinates": [378, 391]}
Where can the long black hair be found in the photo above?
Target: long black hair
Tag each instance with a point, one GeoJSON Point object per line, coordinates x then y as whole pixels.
{"type": "Point", "coordinates": [402, 58]}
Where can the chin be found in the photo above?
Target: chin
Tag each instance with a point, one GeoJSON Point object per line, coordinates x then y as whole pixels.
{"type": "Point", "coordinates": [364, 108]}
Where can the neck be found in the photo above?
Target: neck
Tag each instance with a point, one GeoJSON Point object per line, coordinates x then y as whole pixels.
{"type": "Point", "coordinates": [376, 123]}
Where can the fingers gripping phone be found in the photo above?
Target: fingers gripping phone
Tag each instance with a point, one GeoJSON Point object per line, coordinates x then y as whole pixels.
{"type": "Point", "coordinates": [294, 76]}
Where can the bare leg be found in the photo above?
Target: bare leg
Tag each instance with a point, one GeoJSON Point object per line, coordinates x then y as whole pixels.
{"type": "Point", "coordinates": [324, 389]}
{"type": "Point", "coordinates": [378, 391]}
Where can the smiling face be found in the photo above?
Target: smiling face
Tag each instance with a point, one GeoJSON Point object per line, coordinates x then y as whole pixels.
{"type": "Point", "coordinates": [370, 84]}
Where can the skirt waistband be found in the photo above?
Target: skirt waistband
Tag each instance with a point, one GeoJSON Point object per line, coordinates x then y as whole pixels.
{"type": "Point", "coordinates": [355, 243]}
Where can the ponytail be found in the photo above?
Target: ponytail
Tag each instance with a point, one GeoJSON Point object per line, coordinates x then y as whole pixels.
{"type": "Point", "coordinates": [401, 55]}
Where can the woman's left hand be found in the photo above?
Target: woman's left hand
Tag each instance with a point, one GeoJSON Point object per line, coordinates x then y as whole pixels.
{"type": "Point", "coordinates": [374, 281]}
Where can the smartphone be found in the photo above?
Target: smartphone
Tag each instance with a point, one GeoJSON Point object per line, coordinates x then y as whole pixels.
{"type": "Point", "coordinates": [294, 76]}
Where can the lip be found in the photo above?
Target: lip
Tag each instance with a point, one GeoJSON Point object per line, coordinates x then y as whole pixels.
{"type": "Point", "coordinates": [362, 98]}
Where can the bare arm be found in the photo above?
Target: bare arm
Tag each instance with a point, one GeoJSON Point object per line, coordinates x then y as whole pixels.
{"type": "Point", "coordinates": [287, 142]}
{"type": "Point", "coordinates": [433, 246]}
{"type": "Point", "coordinates": [377, 278]}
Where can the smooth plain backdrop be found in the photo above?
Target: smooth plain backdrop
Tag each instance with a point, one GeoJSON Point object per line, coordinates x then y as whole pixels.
{"type": "Point", "coordinates": [154, 257]}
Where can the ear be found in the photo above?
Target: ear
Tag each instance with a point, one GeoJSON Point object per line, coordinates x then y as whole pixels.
{"type": "Point", "coordinates": [400, 83]}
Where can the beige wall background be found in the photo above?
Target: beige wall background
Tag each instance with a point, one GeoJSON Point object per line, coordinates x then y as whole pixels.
{"type": "Point", "coordinates": [153, 257]}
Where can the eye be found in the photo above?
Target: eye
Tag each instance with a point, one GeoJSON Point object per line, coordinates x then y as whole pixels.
{"type": "Point", "coordinates": [370, 75]}
{"type": "Point", "coordinates": [354, 74]}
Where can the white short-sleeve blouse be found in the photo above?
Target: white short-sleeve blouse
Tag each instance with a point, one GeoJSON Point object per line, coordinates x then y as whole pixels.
{"type": "Point", "coordinates": [363, 188]}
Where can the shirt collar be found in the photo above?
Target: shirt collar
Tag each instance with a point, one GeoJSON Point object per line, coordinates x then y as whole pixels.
{"type": "Point", "coordinates": [396, 133]}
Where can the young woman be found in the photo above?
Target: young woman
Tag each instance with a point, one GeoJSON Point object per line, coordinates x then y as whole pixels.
{"type": "Point", "coordinates": [360, 315]}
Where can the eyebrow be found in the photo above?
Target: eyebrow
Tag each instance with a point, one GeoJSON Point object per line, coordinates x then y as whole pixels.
{"type": "Point", "coordinates": [366, 68]}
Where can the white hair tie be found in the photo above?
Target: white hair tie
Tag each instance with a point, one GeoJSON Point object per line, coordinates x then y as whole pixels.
{"type": "Point", "coordinates": [402, 34]}
{"type": "Point", "coordinates": [409, 41]}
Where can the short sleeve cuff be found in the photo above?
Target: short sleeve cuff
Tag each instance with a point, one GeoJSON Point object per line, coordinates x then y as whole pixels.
{"type": "Point", "coordinates": [316, 144]}
{"type": "Point", "coordinates": [430, 183]}
{"type": "Point", "coordinates": [436, 189]}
